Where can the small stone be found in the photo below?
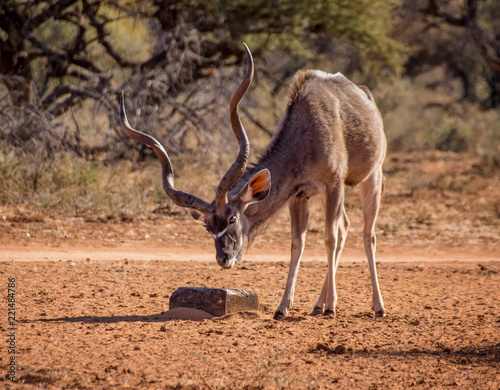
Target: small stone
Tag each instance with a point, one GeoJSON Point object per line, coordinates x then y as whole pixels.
{"type": "Point", "coordinates": [339, 349]}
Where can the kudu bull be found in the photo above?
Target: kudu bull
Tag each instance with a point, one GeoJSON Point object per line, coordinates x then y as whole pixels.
{"type": "Point", "coordinates": [330, 135]}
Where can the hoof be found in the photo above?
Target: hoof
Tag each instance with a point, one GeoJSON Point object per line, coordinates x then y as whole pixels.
{"type": "Point", "coordinates": [279, 315]}
{"type": "Point", "coordinates": [380, 314]}
{"type": "Point", "coordinates": [317, 311]}
{"type": "Point", "coordinates": [329, 313]}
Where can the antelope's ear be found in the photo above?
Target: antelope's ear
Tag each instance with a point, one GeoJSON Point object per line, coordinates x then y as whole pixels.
{"type": "Point", "coordinates": [257, 188]}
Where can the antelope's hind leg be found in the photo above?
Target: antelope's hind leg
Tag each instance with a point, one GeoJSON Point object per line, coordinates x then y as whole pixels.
{"type": "Point", "coordinates": [371, 191]}
{"type": "Point", "coordinates": [299, 214]}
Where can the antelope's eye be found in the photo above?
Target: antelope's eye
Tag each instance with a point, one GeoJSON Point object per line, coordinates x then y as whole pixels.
{"type": "Point", "coordinates": [206, 227]}
{"type": "Point", "coordinates": [232, 219]}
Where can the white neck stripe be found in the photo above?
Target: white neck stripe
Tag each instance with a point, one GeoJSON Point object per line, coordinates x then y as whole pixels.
{"type": "Point", "coordinates": [219, 235]}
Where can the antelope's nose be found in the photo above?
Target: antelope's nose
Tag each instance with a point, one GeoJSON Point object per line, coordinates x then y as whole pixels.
{"type": "Point", "coordinates": [223, 260]}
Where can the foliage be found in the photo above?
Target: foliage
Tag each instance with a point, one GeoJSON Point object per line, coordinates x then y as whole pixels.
{"type": "Point", "coordinates": [304, 27]}
{"type": "Point", "coordinates": [461, 36]}
{"type": "Point", "coordinates": [169, 55]}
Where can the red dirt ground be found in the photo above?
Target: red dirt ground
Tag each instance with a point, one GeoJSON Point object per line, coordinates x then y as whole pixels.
{"type": "Point", "coordinates": [91, 297]}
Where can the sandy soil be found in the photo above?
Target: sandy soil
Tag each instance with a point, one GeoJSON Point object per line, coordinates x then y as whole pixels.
{"type": "Point", "coordinates": [91, 297]}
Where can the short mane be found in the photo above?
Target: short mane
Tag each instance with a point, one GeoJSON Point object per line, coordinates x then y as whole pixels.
{"type": "Point", "coordinates": [299, 79]}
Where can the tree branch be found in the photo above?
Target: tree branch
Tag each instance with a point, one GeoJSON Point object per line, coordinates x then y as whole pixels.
{"type": "Point", "coordinates": [101, 37]}
{"type": "Point", "coordinates": [54, 9]}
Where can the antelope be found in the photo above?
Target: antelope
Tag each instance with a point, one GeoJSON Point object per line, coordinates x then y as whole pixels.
{"type": "Point", "coordinates": [330, 135]}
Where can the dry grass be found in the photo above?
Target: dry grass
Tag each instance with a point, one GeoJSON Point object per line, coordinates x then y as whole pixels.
{"type": "Point", "coordinates": [416, 119]}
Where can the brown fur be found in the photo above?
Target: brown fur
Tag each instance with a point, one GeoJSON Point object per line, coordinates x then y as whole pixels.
{"type": "Point", "coordinates": [330, 135]}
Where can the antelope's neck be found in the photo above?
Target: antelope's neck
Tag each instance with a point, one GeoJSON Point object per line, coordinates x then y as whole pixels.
{"type": "Point", "coordinates": [284, 185]}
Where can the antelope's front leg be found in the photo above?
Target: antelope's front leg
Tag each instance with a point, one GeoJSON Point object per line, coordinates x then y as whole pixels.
{"type": "Point", "coordinates": [299, 213]}
{"type": "Point", "coordinates": [336, 227]}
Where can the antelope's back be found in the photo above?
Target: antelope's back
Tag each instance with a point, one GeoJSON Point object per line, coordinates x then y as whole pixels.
{"type": "Point", "coordinates": [339, 124]}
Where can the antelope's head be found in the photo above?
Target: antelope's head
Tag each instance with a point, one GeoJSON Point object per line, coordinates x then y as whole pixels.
{"type": "Point", "coordinates": [225, 217]}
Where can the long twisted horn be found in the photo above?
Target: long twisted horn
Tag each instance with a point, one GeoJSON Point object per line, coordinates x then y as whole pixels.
{"type": "Point", "coordinates": [178, 197]}
{"type": "Point", "coordinates": [239, 165]}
